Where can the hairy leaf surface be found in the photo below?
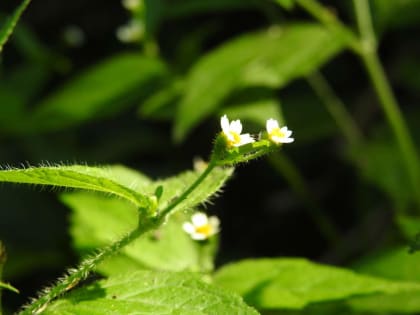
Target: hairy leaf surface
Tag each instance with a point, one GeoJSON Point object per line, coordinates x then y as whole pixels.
{"type": "Point", "coordinates": [149, 292]}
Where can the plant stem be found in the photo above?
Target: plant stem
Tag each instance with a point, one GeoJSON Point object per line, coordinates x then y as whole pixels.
{"type": "Point", "coordinates": [385, 94]}
{"type": "Point", "coordinates": [74, 276]}
{"type": "Point", "coordinates": [366, 48]}
{"type": "Point", "coordinates": [184, 195]}
{"type": "Point", "coordinates": [336, 108]}
{"type": "Point", "coordinates": [290, 172]}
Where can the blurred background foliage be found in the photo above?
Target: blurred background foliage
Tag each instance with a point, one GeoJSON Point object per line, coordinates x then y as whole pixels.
{"type": "Point", "coordinates": [99, 83]}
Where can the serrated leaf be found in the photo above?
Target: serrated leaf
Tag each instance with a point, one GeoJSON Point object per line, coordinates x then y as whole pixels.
{"type": "Point", "coordinates": [295, 283]}
{"type": "Point", "coordinates": [270, 58]}
{"type": "Point", "coordinates": [97, 92]}
{"type": "Point", "coordinates": [9, 26]}
{"type": "Point", "coordinates": [148, 292]}
{"type": "Point", "coordinates": [97, 221]}
{"type": "Point", "coordinates": [115, 181]}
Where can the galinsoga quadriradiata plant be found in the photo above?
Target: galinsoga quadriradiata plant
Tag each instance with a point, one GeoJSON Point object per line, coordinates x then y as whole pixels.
{"type": "Point", "coordinates": [155, 202]}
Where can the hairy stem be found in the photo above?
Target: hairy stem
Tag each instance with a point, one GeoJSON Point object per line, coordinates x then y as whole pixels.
{"type": "Point", "coordinates": [74, 276]}
{"type": "Point", "coordinates": [336, 108]}
{"type": "Point", "coordinates": [163, 213]}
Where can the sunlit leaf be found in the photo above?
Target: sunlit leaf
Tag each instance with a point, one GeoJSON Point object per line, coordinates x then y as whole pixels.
{"type": "Point", "coordinates": [148, 292]}
{"type": "Point", "coordinates": [115, 181]}
{"type": "Point", "coordinates": [97, 221]}
{"type": "Point", "coordinates": [396, 264]}
{"type": "Point", "coordinates": [294, 283]}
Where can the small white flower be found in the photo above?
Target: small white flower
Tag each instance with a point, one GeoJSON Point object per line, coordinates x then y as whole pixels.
{"type": "Point", "coordinates": [277, 134]}
{"type": "Point", "coordinates": [232, 132]}
{"type": "Point", "coordinates": [131, 32]}
{"type": "Point", "coordinates": [201, 226]}
{"type": "Point", "coordinates": [131, 5]}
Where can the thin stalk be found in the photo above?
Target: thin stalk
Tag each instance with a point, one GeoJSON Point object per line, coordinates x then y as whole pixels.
{"type": "Point", "coordinates": [366, 48]}
{"type": "Point", "coordinates": [184, 195]}
{"type": "Point", "coordinates": [385, 94]}
{"type": "Point", "coordinates": [290, 172]}
{"type": "Point", "coordinates": [336, 108]}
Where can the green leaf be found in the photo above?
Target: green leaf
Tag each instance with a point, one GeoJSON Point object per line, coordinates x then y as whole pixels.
{"type": "Point", "coordinates": [287, 4]}
{"type": "Point", "coordinates": [257, 111]}
{"type": "Point", "coordinates": [397, 264]}
{"type": "Point", "coordinates": [9, 26]}
{"type": "Point", "coordinates": [97, 220]}
{"type": "Point", "coordinates": [97, 92]}
{"type": "Point", "coordinates": [111, 180]}
{"type": "Point", "coordinates": [174, 186]}
{"type": "Point", "coordinates": [148, 292]}
{"type": "Point", "coordinates": [269, 58]}
{"type": "Point", "coordinates": [295, 283]}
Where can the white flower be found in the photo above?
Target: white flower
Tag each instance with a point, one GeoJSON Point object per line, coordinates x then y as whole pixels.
{"type": "Point", "coordinates": [201, 227]}
{"type": "Point", "coordinates": [131, 32]}
{"type": "Point", "coordinates": [277, 134]}
{"type": "Point", "coordinates": [232, 132]}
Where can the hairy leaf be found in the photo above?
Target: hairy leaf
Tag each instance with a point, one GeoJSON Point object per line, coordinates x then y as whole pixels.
{"type": "Point", "coordinates": [148, 292]}
{"type": "Point", "coordinates": [9, 26]}
{"type": "Point", "coordinates": [97, 221]}
{"type": "Point", "coordinates": [269, 58]}
{"type": "Point", "coordinates": [295, 283]}
{"type": "Point", "coordinates": [111, 180]}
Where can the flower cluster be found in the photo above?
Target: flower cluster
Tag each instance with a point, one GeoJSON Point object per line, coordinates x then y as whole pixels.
{"type": "Point", "coordinates": [234, 138]}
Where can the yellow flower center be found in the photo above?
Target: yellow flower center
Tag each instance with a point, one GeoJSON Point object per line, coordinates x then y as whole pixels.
{"type": "Point", "coordinates": [276, 132]}
{"type": "Point", "coordinates": [204, 229]}
{"type": "Point", "coordinates": [236, 138]}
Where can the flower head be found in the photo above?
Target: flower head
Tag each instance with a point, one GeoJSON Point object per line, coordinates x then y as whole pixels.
{"type": "Point", "coordinates": [232, 132]}
{"type": "Point", "coordinates": [201, 226]}
{"type": "Point", "coordinates": [277, 134]}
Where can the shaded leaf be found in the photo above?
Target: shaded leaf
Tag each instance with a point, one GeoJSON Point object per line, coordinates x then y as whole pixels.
{"type": "Point", "coordinates": [148, 292]}
{"type": "Point", "coordinates": [97, 92]}
{"type": "Point", "coordinates": [295, 283]}
{"type": "Point", "coordinates": [255, 111]}
{"type": "Point", "coordinates": [288, 53]}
